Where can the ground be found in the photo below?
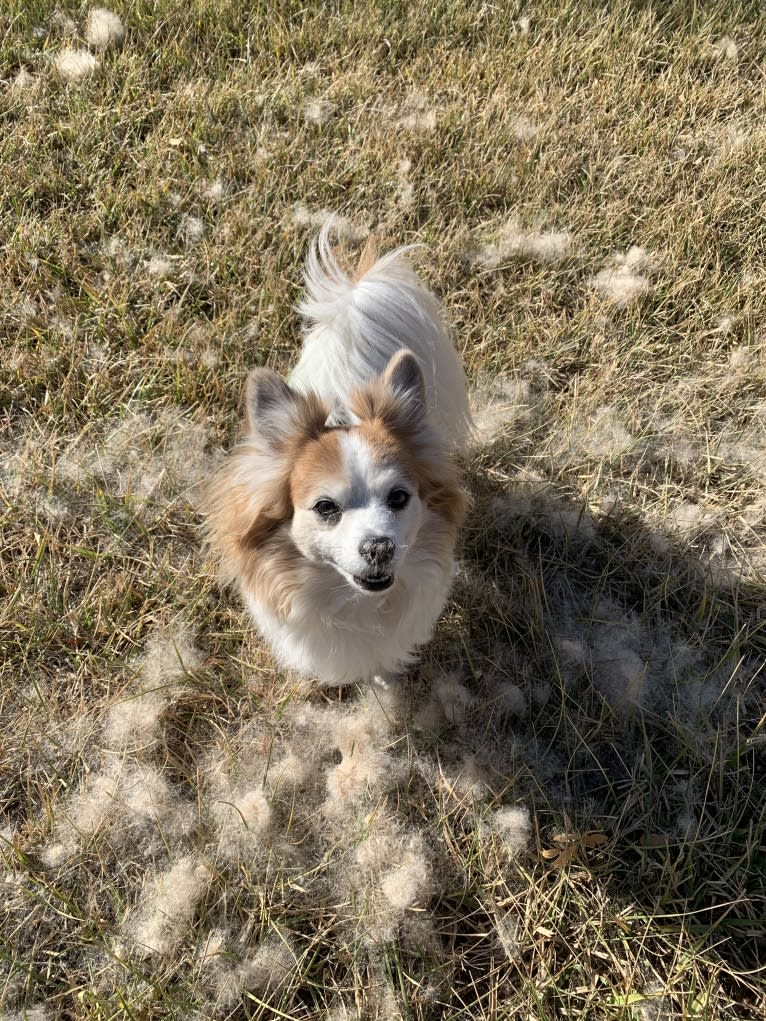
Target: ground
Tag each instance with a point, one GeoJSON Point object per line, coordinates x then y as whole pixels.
{"type": "Point", "coordinates": [560, 813]}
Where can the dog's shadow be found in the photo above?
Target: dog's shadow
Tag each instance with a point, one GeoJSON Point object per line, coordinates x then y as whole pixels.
{"type": "Point", "coordinates": [610, 679]}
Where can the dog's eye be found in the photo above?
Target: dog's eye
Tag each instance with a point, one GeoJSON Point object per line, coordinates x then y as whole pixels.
{"type": "Point", "coordinates": [398, 499]}
{"type": "Point", "coordinates": [326, 509]}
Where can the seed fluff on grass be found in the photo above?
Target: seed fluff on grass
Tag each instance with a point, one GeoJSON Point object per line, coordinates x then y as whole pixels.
{"type": "Point", "coordinates": [626, 278]}
{"type": "Point", "coordinates": [191, 230]}
{"type": "Point", "coordinates": [512, 825]}
{"type": "Point", "coordinates": [725, 48]}
{"type": "Point", "coordinates": [365, 764]}
{"type": "Point", "coordinates": [265, 971]}
{"type": "Point", "coordinates": [240, 808]}
{"type": "Point", "coordinates": [23, 82]}
{"type": "Point", "coordinates": [75, 64]}
{"type": "Point", "coordinates": [544, 247]}
{"type": "Point", "coordinates": [345, 230]}
{"type": "Point", "coordinates": [134, 721]}
{"type": "Point", "coordinates": [165, 911]}
{"type": "Point", "coordinates": [416, 114]}
{"type": "Point", "coordinates": [131, 807]}
{"type": "Point", "coordinates": [319, 111]}
{"type": "Point", "coordinates": [389, 881]}
{"type": "Point", "coordinates": [104, 29]}
{"type": "Point", "coordinates": [498, 405]}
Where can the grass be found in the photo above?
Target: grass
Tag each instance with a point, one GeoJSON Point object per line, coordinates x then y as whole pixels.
{"type": "Point", "coordinates": [561, 813]}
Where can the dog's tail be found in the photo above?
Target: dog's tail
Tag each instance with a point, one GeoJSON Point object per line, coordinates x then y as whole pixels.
{"type": "Point", "coordinates": [357, 322]}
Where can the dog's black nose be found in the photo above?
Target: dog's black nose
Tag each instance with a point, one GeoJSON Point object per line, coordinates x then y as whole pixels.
{"type": "Point", "coordinates": [377, 552]}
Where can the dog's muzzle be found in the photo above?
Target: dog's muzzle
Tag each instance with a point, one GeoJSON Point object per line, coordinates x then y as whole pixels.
{"type": "Point", "coordinates": [378, 552]}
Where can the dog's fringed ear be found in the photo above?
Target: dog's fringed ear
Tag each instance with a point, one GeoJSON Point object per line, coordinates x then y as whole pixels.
{"type": "Point", "coordinates": [278, 414]}
{"type": "Point", "coordinates": [404, 377]}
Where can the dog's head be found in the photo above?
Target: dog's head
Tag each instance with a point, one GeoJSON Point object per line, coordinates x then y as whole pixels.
{"type": "Point", "coordinates": [352, 496]}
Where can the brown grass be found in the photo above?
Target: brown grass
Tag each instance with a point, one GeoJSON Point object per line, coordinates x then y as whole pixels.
{"type": "Point", "coordinates": [561, 814]}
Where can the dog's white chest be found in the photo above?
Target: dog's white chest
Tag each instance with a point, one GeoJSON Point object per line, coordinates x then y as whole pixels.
{"type": "Point", "coordinates": [341, 637]}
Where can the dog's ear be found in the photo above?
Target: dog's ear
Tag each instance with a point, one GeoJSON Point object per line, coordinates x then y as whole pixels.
{"type": "Point", "coordinates": [278, 414]}
{"type": "Point", "coordinates": [404, 377]}
{"type": "Point", "coordinates": [270, 405]}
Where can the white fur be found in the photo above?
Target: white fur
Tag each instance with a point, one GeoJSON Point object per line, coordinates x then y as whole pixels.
{"type": "Point", "coordinates": [335, 629]}
{"type": "Point", "coordinates": [356, 326]}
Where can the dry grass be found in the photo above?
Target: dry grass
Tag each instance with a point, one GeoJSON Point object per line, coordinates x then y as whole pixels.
{"type": "Point", "coordinates": [561, 814]}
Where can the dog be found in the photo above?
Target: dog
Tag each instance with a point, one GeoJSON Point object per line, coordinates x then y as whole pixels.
{"type": "Point", "coordinates": [337, 514]}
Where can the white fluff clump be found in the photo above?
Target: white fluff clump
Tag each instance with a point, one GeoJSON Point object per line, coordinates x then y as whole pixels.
{"type": "Point", "coordinates": [85, 814]}
{"type": "Point", "coordinates": [499, 404]}
{"type": "Point", "coordinates": [38, 1012]}
{"type": "Point", "coordinates": [213, 949]}
{"type": "Point", "coordinates": [569, 524]}
{"type": "Point", "coordinates": [625, 279]}
{"type": "Point", "coordinates": [62, 23]}
{"type": "Point", "coordinates": [619, 670]}
{"type": "Point", "coordinates": [453, 697]}
{"type": "Point", "coordinates": [243, 822]}
{"type": "Point", "coordinates": [605, 435]}
{"type": "Point", "coordinates": [150, 803]}
{"type": "Point", "coordinates": [267, 970]}
{"type": "Point", "coordinates": [134, 803]}
{"type": "Point", "coordinates": [149, 461]}
{"type": "Point", "coordinates": [364, 766]}
{"type": "Point", "coordinates": [135, 722]}
{"type": "Point", "coordinates": [346, 231]}
{"type": "Point", "coordinates": [74, 64]}
{"type": "Point", "coordinates": [190, 230]}
{"type": "Point", "coordinates": [688, 518]}
{"type": "Point", "coordinates": [508, 926]}
{"type": "Point", "coordinates": [726, 48]}
{"type": "Point", "coordinates": [160, 267]}
{"type": "Point", "coordinates": [524, 129]}
{"type": "Point", "coordinates": [447, 705]}
{"type": "Point", "coordinates": [264, 971]}
{"type": "Point", "coordinates": [292, 770]}
{"type": "Point", "coordinates": [167, 907]}
{"type": "Point", "coordinates": [214, 190]}
{"type": "Point", "coordinates": [512, 825]}
{"type": "Point", "coordinates": [392, 874]}
{"type": "Point", "coordinates": [23, 81]}
{"type": "Point", "coordinates": [510, 698]}
{"type": "Point", "coordinates": [169, 657]}
{"type": "Point", "coordinates": [405, 192]}
{"type": "Point", "coordinates": [545, 247]}
{"type": "Point", "coordinates": [103, 29]}
{"type": "Point", "coordinates": [416, 114]}
{"type": "Point", "coordinates": [239, 799]}
{"type": "Point", "coordinates": [319, 111]}
{"type": "Point", "coordinates": [410, 884]}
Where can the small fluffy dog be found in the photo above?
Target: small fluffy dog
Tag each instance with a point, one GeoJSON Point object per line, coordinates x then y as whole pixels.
{"type": "Point", "coordinates": [337, 514]}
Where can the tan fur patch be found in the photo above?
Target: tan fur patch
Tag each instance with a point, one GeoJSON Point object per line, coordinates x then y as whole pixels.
{"type": "Point", "coordinates": [318, 460]}
{"type": "Point", "coordinates": [424, 460]}
{"type": "Point", "coordinates": [249, 501]}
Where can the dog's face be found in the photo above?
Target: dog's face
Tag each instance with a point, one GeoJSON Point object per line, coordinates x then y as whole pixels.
{"type": "Point", "coordinates": [356, 504]}
{"type": "Point", "coordinates": [353, 495]}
